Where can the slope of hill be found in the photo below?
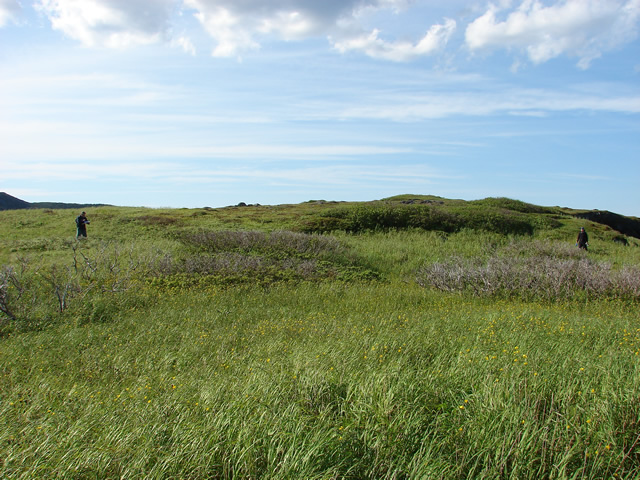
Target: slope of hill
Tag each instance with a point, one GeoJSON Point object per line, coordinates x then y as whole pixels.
{"type": "Point", "coordinates": [626, 225]}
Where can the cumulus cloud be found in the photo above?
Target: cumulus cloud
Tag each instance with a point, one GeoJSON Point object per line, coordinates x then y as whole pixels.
{"type": "Point", "coordinates": [543, 29]}
{"type": "Point", "coordinates": [236, 26]}
{"type": "Point", "coordinates": [9, 9]}
{"type": "Point", "coordinates": [579, 28]}
{"type": "Point", "coordinates": [372, 45]}
{"type": "Point", "coordinates": [113, 23]}
{"type": "Point", "coordinates": [239, 25]}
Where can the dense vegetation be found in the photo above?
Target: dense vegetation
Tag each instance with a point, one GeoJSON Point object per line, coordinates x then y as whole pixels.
{"type": "Point", "coordinates": [497, 215]}
{"type": "Point", "coordinates": [415, 337]}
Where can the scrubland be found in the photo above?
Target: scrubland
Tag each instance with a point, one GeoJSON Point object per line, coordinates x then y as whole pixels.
{"type": "Point", "coordinates": [320, 340]}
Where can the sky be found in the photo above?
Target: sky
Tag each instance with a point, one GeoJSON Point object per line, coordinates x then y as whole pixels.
{"type": "Point", "coordinates": [194, 103]}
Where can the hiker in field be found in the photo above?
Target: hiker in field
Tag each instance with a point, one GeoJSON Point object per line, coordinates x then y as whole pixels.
{"type": "Point", "coordinates": [81, 223]}
{"type": "Point", "coordinates": [583, 239]}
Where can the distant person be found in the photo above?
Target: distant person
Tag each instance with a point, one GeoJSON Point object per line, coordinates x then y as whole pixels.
{"type": "Point", "coordinates": [81, 223]}
{"type": "Point", "coordinates": [583, 239]}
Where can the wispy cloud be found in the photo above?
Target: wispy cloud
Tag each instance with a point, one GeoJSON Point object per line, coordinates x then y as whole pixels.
{"type": "Point", "coordinates": [94, 149]}
{"type": "Point", "coordinates": [490, 101]}
{"type": "Point", "coordinates": [330, 175]}
{"type": "Point", "coordinates": [83, 170]}
{"type": "Point", "coordinates": [582, 176]}
{"type": "Point", "coordinates": [197, 173]}
{"type": "Point", "coordinates": [185, 44]}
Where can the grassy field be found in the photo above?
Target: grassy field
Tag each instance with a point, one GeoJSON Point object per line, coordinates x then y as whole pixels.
{"type": "Point", "coordinates": [318, 341]}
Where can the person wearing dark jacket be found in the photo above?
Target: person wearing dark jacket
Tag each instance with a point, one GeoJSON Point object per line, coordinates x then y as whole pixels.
{"type": "Point", "coordinates": [81, 223]}
{"type": "Point", "coordinates": [583, 239]}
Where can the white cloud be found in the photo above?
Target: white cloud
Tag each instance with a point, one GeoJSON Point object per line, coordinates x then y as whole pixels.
{"type": "Point", "coordinates": [9, 9]}
{"type": "Point", "coordinates": [579, 28]}
{"type": "Point", "coordinates": [240, 25]}
{"type": "Point", "coordinates": [113, 23]}
{"type": "Point", "coordinates": [225, 28]}
{"type": "Point", "coordinates": [543, 29]}
{"type": "Point", "coordinates": [375, 47]}
{"type": "Point", "coordinates": [185, 44]}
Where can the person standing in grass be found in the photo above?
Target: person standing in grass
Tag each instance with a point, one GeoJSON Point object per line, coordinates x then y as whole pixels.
{"type": "Point", "coordinates": [583, 239]}
{"type": "Point", "coordinates": [81, 223]}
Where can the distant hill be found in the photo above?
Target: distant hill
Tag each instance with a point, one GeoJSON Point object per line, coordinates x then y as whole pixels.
{"type": "Point", "coordinates": [8, 202]}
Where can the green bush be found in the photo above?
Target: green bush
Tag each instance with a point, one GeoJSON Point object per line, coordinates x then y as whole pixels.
{"type": "Point", "coordinates": [381, 217]}
{"type": "Point", "coordinates": [503, 222]}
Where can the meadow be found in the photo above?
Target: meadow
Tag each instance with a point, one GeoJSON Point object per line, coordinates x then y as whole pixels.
{"type": "Point", "coordinates": [320, 340]}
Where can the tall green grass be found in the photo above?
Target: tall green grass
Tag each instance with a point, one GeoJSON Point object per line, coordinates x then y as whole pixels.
{"type": "Point", "coordinates": [318, 381]}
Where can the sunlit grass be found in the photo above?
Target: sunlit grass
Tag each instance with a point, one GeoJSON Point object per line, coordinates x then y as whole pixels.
{"type": "Point", "coordinates": [317, 380]}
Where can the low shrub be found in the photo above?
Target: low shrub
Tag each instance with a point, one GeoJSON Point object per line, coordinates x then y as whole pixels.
{"type": "Point", "coordinates": [387, 217]}
{"type": "Point", "coordinates": [280, 243]}
{"type": "Point", "coordinates": [504, 222]}
{"type": "Point", "coordinates": [156, 220]}
{"type": "Point", "coordinates": [233, 257]}
{"type": "Point", "coordinates": [33, 293]}
{"type": "Point", "coordinates": [533, 277]}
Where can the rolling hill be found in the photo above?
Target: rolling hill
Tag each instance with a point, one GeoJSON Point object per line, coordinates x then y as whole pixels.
{"type": "Point", "coordinates": [629, 226]}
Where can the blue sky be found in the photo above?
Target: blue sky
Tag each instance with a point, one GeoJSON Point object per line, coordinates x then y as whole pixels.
{"type": "Point", "coordinates": [193, 103]}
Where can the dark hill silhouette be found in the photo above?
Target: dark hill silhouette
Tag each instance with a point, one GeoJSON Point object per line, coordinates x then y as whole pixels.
{"type": "Point", "coordinates": [8, 202]}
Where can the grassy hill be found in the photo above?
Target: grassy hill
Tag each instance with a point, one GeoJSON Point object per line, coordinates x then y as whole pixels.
{"type": "Point", "coordinates": [410, 337]}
